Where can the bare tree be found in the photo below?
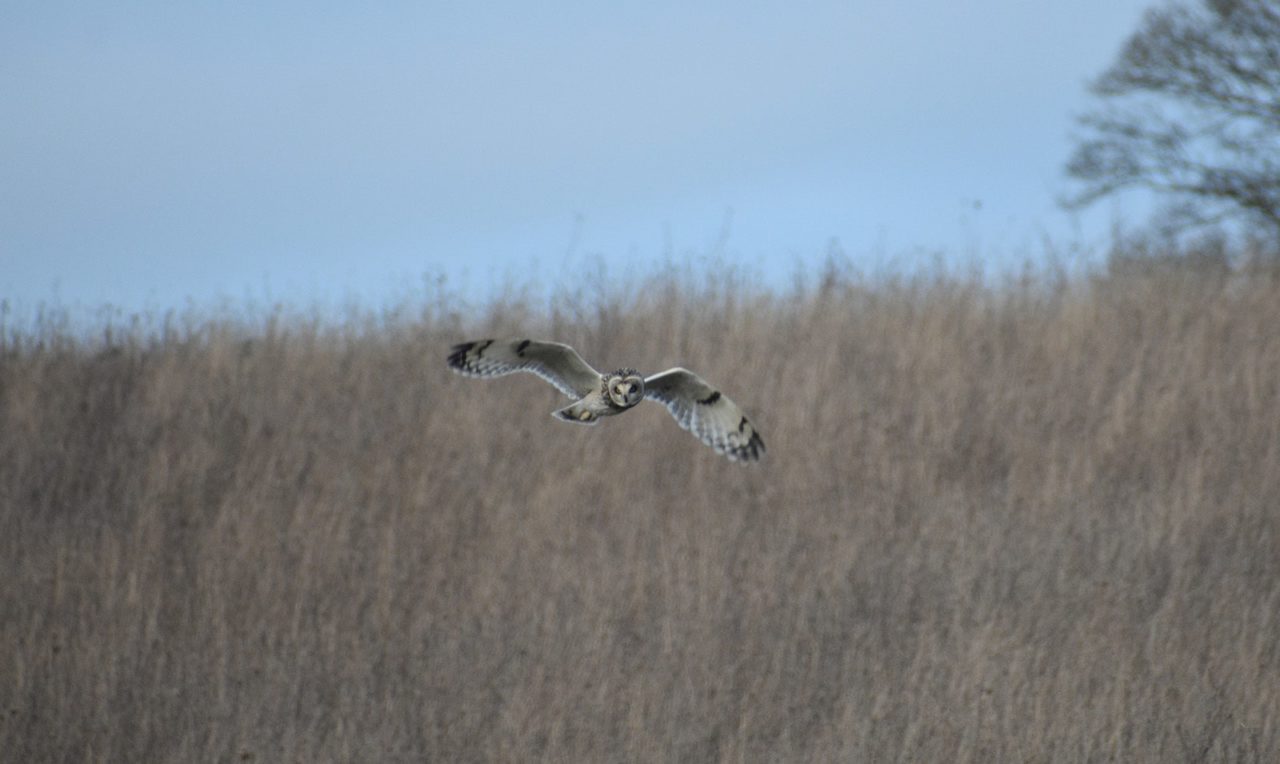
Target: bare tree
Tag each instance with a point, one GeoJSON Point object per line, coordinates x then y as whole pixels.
{"type": "Point", "coordinates": [1191, 110]}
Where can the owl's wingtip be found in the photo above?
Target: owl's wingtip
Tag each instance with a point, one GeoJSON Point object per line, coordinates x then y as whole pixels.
{"type": "Point", "coordinates": [461, 358]}
{"type": "Point", "coordinates": [752, 451]}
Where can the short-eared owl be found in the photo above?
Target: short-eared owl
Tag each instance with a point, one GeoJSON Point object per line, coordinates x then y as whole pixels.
{"type": "Point", "coordinates": [696, 405]}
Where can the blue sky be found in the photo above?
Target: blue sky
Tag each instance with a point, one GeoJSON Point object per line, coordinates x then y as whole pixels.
{"type": "Point", "coordinates": [156, 153]}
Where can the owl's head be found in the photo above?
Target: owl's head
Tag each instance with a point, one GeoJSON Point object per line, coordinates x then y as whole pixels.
{"type": "Point", "coordinates": [624, 387]}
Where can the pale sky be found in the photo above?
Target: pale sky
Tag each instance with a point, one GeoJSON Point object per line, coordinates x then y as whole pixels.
{"type": "Point", "coordinates": [153, 153]}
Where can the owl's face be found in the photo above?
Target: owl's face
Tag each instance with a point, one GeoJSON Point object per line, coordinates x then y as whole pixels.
{"type": "Point", "coordinates": [625, 388]}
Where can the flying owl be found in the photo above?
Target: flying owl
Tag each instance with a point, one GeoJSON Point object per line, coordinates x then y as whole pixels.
{"type": "Point", "coordinates": [697, 406]}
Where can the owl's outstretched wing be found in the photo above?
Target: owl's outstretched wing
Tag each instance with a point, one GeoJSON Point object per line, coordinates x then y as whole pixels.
{"type": "Point", "coordinates": [704, 411]}
{"type": "Point", "coordinates": [556, 363]}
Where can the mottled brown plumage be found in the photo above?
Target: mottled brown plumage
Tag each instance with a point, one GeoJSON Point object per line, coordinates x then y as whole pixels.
{"type": "Point", "coordinates": [696, 405]}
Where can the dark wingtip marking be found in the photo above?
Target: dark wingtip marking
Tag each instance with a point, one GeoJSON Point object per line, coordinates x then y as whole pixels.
{"type": "Point", "coordinates": [520, 348]}
{"type": "Point", "coordinates": [742, 426]}
{"type": "Point", "coordinates": [710, 399]}
{"type": "Point", "coordinates": [457, 358]}
{"type": "Point", "coordinates": [752, 450]}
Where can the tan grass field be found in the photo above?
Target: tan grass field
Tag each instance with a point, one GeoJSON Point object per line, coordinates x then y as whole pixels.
{"type": "Point", "coordinates": [1030, 522]}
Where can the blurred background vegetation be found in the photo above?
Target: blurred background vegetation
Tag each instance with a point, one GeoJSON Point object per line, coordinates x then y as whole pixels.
{"type": "Point", "coordinates": [1034, 519]}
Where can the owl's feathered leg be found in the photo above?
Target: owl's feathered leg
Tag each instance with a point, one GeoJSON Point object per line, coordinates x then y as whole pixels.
{"type": "Point", "coordinates": [578, 413]}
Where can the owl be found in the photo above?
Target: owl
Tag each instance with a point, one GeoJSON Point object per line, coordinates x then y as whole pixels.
{"type": "Point", "coordinates": [696, 405]}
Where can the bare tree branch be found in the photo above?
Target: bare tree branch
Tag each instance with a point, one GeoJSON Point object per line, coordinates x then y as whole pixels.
{"type": "Point", "coordinates": [1191, 109]}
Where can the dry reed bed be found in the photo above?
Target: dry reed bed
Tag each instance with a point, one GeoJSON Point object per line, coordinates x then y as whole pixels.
{"type": "Point", "coordinates": [1033, 522]}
